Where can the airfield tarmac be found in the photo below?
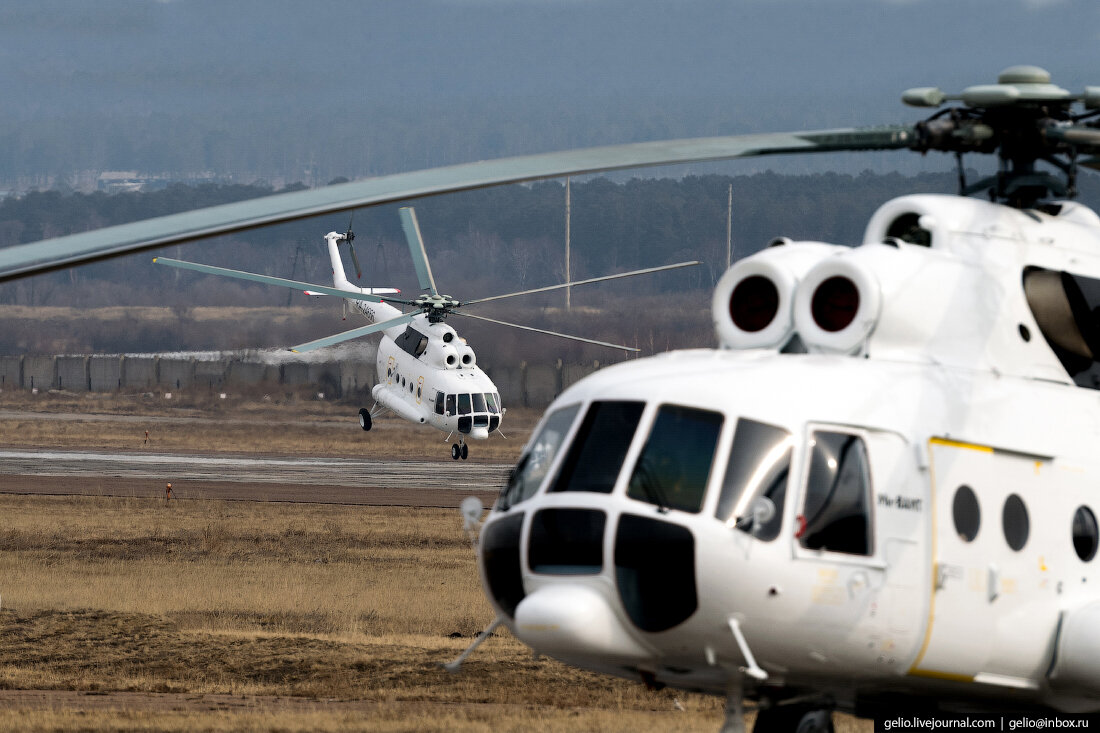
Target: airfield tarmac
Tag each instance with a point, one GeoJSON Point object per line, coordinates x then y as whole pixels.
{"type": "Point", "coordinates": [372, 482]}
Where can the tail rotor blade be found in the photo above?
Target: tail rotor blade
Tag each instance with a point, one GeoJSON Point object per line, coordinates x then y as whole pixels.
{"type": "Point", "coordinates": [416, 249]}
{"type": "Point", "coordinates": [354, 259]}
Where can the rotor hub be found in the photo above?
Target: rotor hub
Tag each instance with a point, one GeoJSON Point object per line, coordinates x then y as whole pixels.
{"type": "Point", "coordinates": [1023, 119]}
{"type": "Point", "coordinates": [436, 306]}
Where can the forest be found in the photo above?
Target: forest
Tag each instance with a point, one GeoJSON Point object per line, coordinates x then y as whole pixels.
{"type": "Point", "coordinates": [480, 243]}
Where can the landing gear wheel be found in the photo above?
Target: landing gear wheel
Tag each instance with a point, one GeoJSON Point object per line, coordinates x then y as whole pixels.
{"type": "Point", "coordinates": [455, 452]}
{"type": "Point", "coordinates": [465, 451]}
{"type": "Point", "coordinates": [364, 418]}
{"type": "Point", "coordinates": [793, 719]}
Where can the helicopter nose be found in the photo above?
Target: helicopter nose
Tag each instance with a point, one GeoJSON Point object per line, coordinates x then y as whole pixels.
{"type": "Point", "coordinates": [572, 621]}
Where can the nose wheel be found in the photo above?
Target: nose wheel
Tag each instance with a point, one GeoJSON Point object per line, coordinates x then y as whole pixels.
{"type": "Point", "coordinates": [365, 420]}
{"type": "Point", "coordinates": [459, 450]}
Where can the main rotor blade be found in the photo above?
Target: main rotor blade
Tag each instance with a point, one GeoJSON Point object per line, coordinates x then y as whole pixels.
{"type": "Point", "coordinates": [585, 282]}
{"type": "Point", "coordinates": [354, 333]}
{"type": "Point", "coordinates": [416, 249]}
{"type": "Point", "coordinates": [55, 254]}
{"type": "Point", "coordinates": [268, 280]}
{"type": "Point", "coordinates": [548, 333]}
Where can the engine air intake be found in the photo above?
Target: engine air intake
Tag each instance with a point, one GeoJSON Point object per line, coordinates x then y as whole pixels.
{"type": "Point", "coordinates": [754, 303]}
{"type": "Point", "coordinates": [835, 303]}
{"type": "Point", "coordinates": [837, 306]}
{"type": "Point", "coordinates": [751, 306]}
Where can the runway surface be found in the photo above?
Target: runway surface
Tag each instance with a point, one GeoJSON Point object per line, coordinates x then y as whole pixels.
{"type": "Point", "coordinates": [323, 480]}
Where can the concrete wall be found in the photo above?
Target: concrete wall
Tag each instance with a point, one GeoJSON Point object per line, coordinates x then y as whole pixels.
{"type": "Point", "coordinates": [356, 378]}
{"type": "Point", "coordinates": [72, 373]}
{"type": "Point", "coordinates": [326, 376]}
{"type": "Point", "coordinates": [138, 372]}
{"type": "Point", "coordinates": [510, 383]}
{"type": "Point", "coordinates": [11, 372]}
{"type": "Point", "coordinates": [542, 384]}
{"type": "Point", "coordinates": [295, 373]}
{"type": "Point", "coordinates": [525, 385]}
{"type": "Point", "coordinates": [39, 372]}
{"type": "Point", "coordinates": [175, 373]}
{"type": "Point", "coordinates": [573, 373]}
{"type": "Point", "coordinates": [104, 373]}
{"type": "Point", "coordinates": [249, 372]}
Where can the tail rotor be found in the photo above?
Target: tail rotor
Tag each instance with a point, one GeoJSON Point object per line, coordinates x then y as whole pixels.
{"type": "Point", "coordinates": [349, 237]}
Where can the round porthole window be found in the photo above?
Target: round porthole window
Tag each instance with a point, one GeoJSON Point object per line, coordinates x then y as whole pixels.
{"type": "Point", "coordinates": [966, 513]}
{"type": "Point", "coordinates": [1085, 533]}
{"type": "Point", "coordinates": [1014, 519]}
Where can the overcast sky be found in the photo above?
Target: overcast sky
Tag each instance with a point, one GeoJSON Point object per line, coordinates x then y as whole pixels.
{"type": "Point", "coordinates": [612, 70]}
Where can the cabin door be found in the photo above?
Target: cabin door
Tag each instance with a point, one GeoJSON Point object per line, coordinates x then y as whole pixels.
{"type": "Point", "coordinates": [991, 615]}
{"type": "Point", "coordinates": [858, 528]}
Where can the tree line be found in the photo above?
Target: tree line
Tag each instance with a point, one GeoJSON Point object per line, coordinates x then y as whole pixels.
{"type": "Point", "coordinates": [480, 242]}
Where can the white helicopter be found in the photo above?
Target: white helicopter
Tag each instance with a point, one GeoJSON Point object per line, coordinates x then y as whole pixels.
{"type": "Point", "coordinates": [427, 373]}
{"type": "Point", "coordinates": [876, 496]}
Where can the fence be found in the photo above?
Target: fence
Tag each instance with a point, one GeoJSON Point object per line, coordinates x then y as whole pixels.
{"type": "Point", "coordinates": [530, 385]}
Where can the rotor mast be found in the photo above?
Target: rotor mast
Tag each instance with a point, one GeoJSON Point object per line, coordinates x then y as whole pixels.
{"type": "Point", "coordinates": [1023, 119]}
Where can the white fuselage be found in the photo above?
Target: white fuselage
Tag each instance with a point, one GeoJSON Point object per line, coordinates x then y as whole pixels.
{"type": "Point", "coordinates": [931, 468]}
{"type": "Point", "coordinates": [427, 374]}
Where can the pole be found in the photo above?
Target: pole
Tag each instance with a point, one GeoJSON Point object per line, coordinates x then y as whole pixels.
{"type": "Point", "coordinates": [568, 216]}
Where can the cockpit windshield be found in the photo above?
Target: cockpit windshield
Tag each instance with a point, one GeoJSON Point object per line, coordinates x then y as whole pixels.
{"type": "Point", "coordinates": [493, 403]}
{"type": "Point", "coordinates": [674, 465]}
{"type": "Point", "coordinates": [598, 451]}
{"type": "Point", "coordinates": [479, 402]}
{"type": "Point", "coordinates": [534, 464]}
{"type": "Point", "coordinates": [464, 404]}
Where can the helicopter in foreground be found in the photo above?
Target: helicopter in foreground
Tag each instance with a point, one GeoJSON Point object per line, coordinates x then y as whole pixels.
{"type": "Point", "coordinates": [875, 496]}
{"type": "Point", "coordinates": [878, 494]}
{"type": "Point", "coordinates": [427, 373]}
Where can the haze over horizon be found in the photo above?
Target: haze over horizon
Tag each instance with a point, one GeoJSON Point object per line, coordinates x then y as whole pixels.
{"type": "Point", "coordinates": [280, 91]}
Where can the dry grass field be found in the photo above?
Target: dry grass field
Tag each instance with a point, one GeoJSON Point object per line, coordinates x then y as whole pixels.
{"type": "Point", "coordinates": [272, 601]}
{"type": "Point", "coordinates": [133, 614]}
{"type": "Point", "coordinates": [285, 424]}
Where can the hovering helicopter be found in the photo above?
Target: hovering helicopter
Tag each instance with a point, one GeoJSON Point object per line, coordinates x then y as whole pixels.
{"type": "Point", "coordinates": [876, 496]}
{"type": "Point", "coordinates": [431, 373]}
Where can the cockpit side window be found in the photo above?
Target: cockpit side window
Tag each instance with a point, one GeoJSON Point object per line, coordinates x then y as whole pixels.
{"type": "Point", "coordinates": [598, 451]}
{"type": "Point", "coordinates": [1066, 308]}
{"type": "Point", "coordinates": [491, 401]}
{"type": "Point", "coordinates": [674, 465]}
{"type": "Point", "coordinates": [755, 485]}
{"type": "Point", "coordinates": [907, 228]}
{"type": "Point", "coordinates": [836, 513]}
{"type": "Point", "coordinates": [412, 342]}
{"type": "Point", "coordinates": [528, 474]}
